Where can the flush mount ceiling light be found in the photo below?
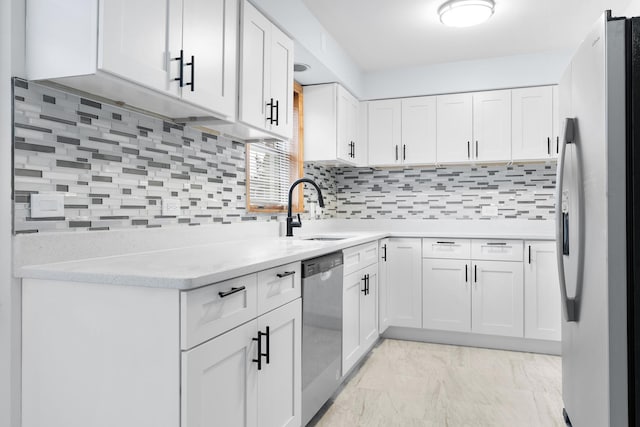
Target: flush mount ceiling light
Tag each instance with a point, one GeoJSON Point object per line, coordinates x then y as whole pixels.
{"type": "Point", "coordinates": [465, 13]}
{"type": "Point", "coordinates": [299, 67]}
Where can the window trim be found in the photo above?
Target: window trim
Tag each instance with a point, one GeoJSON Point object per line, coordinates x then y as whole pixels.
{"type": "Point", "coordinates": [298, 202]}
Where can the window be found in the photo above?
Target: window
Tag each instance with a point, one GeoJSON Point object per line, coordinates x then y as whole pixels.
{"type": "Point", "coordinates": [272, 166]}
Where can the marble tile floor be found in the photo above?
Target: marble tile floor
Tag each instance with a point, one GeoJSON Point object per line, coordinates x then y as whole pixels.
{"type": "Point", "coordinates": [405, 383]}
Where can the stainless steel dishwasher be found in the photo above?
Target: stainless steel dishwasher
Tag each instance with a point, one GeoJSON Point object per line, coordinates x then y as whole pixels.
{"type": "Point", "coordinates": [321, 331]}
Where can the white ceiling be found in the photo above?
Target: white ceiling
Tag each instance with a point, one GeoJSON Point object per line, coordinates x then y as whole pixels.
{"type": "Point", "coordinates": [386, 34]}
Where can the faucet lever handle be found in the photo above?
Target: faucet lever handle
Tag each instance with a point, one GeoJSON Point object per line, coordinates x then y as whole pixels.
{"type": "Point", "coordinates": [299, 221]}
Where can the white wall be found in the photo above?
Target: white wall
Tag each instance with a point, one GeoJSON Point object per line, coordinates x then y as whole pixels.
{"type": "Point", "coordinates": [494, 73]}
{"type": "Point", "coordinates": [12, 63]}
{"type": "Point", "coordinates": [633, 9]}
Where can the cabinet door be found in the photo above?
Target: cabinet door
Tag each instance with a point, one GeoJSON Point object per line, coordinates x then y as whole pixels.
{"type": "Point", "coordinates": [140, 49]}
{"type": "Point", "coordinates": [254, 67]}
{"type": "Point", "coordinates": [446, 294]}
{"type": "Point", "coordinates": [362, 141]}
{"type": "Point", "coordinates": [210, 35]}
{"type": "Point", "coordinates": [219, 381]}
{"type": "Point", "coordinates": [280, 380]}
{"type": "Point", "coordinates": [541, 292]}
{"type": "Point", "coordinates": [404, 273]}
{"type": "Point", "coordinates": [383, 287]}
{"type": "Point", "coordinates": [531, 123]}
{"type": "Point", "coordinates": [384, 130]}
{"type": "Point", "coordinates": [419, 130]}
{"type": "Point", "coordinates": [492, 126]}
{"type": "Point", "coordinates": [369, 308]}
{"type": "Point", "coordinates": [281, 83]}
{"type": "Point", "coordinates": [347, 126]}
{"type": "Point", "coordinates": [555, 121]}
{"type": "Point", "coordinates": [497, 298]}
{"type": "Point", "coordinates": [454, 128]}
{"type": "Point", "coordinates": [353, 286]}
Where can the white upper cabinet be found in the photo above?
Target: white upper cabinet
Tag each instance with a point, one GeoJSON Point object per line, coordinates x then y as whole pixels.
{"type": "Point", "coordinates": [182, 50]}
{"type": "Point", "coordinates": [331, 125]}
{"type": "Point", "coordinates": [492, 126]}
{"type": "Point", "coordinates": [212, 75]}
{"type": "Point", "coordinates": [532, 128]}
{"type": "Point", "coordinates": [385, 132]}
{"type": "Point", "coordinates": [266, 75]}
{"type": "Point", "coordinates": [454, 128]}
{"type": "Point", "coordinates": [419, 130]}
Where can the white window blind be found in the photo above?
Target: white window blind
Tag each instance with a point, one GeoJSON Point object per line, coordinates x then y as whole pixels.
{"type": "Point", "coordinates": [270, 173]}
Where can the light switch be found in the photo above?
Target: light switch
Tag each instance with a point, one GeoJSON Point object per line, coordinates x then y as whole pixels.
{"type": "Point", "coordinates": [47, 205]}
{"type": "Point", "coordinates": [170, 207]}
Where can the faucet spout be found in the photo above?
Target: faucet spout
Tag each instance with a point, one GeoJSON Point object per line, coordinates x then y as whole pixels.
{"type": "Point", "coordinates": [290, 222]}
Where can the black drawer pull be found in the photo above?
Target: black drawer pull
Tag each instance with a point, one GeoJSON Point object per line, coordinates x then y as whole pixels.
{"type": "Point", "coordinates": [285, 274]}
{"type": "Point", "coordinates": [192, 64]}
{"type": "Point", "coordinates": [180, 58]}
{"type": "Point", "coordinates": [496, 244]}
{"type": "Point", "coordinates": [446, 243]}
{"type": "Point", "coordinates": [364, 279]}
{"type": "Point", "coordinates": [384, 256]}
{"type": "Point", "coordinates": [260, 353]}
{"type": "Point", "coordinates": [466, 273]}
{"type": "Point", "coordinates": [232, 291]}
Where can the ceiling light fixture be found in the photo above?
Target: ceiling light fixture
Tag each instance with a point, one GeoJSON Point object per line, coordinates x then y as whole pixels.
{"type": "Point", "coordinates": [465, 13]}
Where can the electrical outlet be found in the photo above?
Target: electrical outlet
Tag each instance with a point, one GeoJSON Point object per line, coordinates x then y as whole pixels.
{"type": "Point", "coordinates": [490, 210]}
{"type": "Point", "coordinates": [170, 207]}
{"type": "Point", "coordinates": [47, 205]}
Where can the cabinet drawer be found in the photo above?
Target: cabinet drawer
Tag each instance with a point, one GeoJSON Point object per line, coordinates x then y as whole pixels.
{"type": "Point", "coordinates": [209, 311]}
{"type": "Point", "coordinates": [497, 250]}
{"type": "Point", "coordinates": [278, 286]}
{"type": "Point", "coordinates": [359, 257]}
{"type": "Point", "coordinates": [446, 248]}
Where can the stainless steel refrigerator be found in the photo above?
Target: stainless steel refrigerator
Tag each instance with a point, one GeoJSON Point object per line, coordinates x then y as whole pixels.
{"type": "Point", "coordinates": [598, 226]}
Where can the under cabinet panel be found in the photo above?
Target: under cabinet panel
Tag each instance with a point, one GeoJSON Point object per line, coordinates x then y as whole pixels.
{"type": "Point", "coordinates": [446, 248]}
{"type": "Point", "coordinates": [214, 309]}
{"type": "Point", "coordinates": [278, 286]}
{"type": "Point", "coordinates": [497, 250]}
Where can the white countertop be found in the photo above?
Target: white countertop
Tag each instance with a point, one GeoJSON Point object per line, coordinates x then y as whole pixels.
{"type": "Point", "coordinates": [199, 265]}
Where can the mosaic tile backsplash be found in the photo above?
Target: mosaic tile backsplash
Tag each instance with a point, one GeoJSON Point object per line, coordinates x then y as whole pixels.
{"type": "Point", "coordinates": [115, 165]}
{"type": "Point", "coordinates": [454, 192]}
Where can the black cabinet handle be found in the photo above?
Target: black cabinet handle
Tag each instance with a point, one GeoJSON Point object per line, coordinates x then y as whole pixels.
{"type": "Point", "coordinates": [192, 64]}
{"type": "Point", "coordinates": [270, 104]}
{"type": "Point", "coordinates": [475, 274]}
{"type": "Point", "coordinates": [268, 353]}
{"type": "Point", "coordinates": [446, 243]}
{"type": "Point", "coordinates": [466, 273]}
{"type": "Point", "coordinates": [396, 153]}
{"type": "Point", "coordinates": [468, 149]}
{"type": "Point", "coordinates": [529, 254]}
{"type": "Point", "coordinates": [367, 282]}
{"type": "Point", "coordinates": [354, 149]}
{"type": "Point", "coordinates": [476, 149]}
{"type": "Point", "coordinates": [260, 354]}
{"type": "Point", "coordinates": [384, 256]}
{"type": "Point", "coordinates": [557, 144]}
{"type": "Point", "coordinates": [364, 289]}
{"type": "Point", "coordinates": [496, 244]}
{"type": "Point", "coordinates": [180, 78]}
{"type": "Point", "coordinates": [277, 107]}
{"type": "Point", "coordinates": [285, 274]}
{"type": "Point", "coordinates": [404, 152]}
{"type": "Point", "coordinates": [548, 145]}
{"type": "Point", "coordinates": [231, 291]}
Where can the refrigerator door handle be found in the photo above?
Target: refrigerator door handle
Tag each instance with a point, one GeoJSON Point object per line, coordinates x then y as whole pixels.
{"type": "Point", "coordinates": [569, 306]}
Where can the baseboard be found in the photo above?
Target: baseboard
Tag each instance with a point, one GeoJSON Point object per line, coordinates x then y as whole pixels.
{"type": "Point", "coordinates": [474, 340]}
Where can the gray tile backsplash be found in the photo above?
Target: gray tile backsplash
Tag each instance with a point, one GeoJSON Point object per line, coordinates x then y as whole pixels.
{"type": "Point", "coordinates": [114, 166]}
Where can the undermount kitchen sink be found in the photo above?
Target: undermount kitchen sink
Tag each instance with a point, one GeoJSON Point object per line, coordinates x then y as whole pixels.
{"type": "Point", "coordinates": [327, 238]}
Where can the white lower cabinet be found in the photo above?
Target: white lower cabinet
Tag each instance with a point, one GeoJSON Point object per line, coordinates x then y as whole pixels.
{"type": "Point", "coordinates": [224, 384]}
{"type": "Point", "coordinates": [359, 315]}
{"type": "Point", "coordinates": [403, 273]}
{"type": "Point", "coordinates": [497, 298]}
{"type": "Point", "coordinates": [220, 381]}
{"type": "Point", "coordinates": [446, 295]}
{"type": "Point", "coordinates": [541, 292]}
{"type": "Point", "coordinates": [473, 286]}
